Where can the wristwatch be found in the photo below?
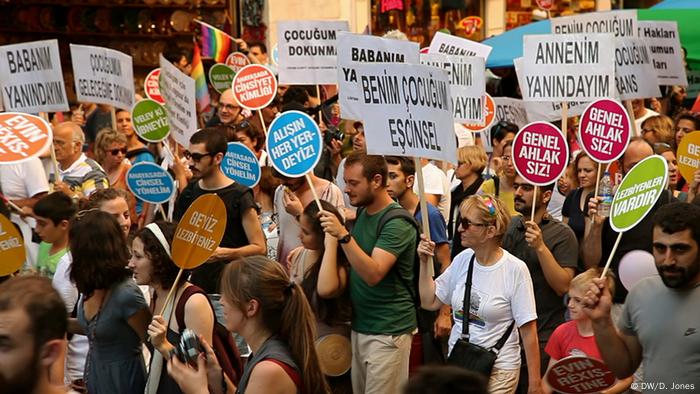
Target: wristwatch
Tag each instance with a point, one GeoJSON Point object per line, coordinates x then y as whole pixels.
{"type": "Point", "coordinates": [345, 239]}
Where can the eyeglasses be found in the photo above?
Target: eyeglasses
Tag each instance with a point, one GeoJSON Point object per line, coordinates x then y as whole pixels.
{"type": "Point", "coordinates": [466, 223]}
{"type": "Point", "coordinates": [505, 158]}
{"type": "Point", "coordinates": [525, 186]}
{"type": "Point", "coordinates": [196, 157]}
{"type": "Point", "coordinates": [230, 107]}
{"type": "Point", "coordinates": [117, 151]}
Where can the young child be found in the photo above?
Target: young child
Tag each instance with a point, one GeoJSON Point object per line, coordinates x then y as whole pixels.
{"type": "Point", "coordinates": [575, 337]}
{"type": "Point", "coordinates": [52, 214]}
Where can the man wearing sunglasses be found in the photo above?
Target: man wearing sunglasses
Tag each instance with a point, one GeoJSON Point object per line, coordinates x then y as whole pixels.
{"type": "Point", "coordinates": [550, 250]}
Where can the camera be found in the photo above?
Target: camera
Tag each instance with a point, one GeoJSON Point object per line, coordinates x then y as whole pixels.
{"type": "Point", "coordinates": [332, 133]}
{"type": "Point", "coordinates": [188, 348]}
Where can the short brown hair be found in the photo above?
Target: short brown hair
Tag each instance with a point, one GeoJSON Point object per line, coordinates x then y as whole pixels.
{"type": "Point", "coordinates": [582, 280]}
{"type": "Point", "coordinates": [163, 269]}
{"type": "Point", "coordinates": [372, 165]}
{"type": "Point", "coordinates": [662, 127]}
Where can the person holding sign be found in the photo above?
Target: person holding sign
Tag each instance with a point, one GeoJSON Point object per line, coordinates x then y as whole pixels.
{"type": "Point", "coordinates": [659, 321]}
{"type": "Point", "coordinates": [575, 337]}
{"type": "Point", "coordinates": [110, 153]}
{"type": "Point", "coordinates": [575, 203]}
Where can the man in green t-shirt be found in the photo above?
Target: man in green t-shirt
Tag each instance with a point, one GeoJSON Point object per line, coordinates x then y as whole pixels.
{"type": "Point", "coordinates": [52, 214]}
{"type": "Point", "coordinates": [381, 269]}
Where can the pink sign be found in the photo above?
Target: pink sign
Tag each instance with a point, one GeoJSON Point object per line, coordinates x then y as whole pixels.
{"type": "Point", "coordinates": [545, 4]}
{"type": "Point", "coordinates": [237, 61]}
{"type": "Point", "coordinates": [151, 86]}
{"type": "Point", "coordinates": [604, 130]}
{"type": "Point", "coordinates": [579, 375]}
{"type": "Point", "coordinates": [540, 153]}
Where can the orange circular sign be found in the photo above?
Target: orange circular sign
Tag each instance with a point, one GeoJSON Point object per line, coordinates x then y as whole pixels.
{"type": "Point", "coordinates": [199, 232]}
{"type": "Point", "coordinates": [489, 111]}
{"type": "Point", "coordinates": [254, 86]}
{"type": "Point", "coordinates": [11, 247]}
{"type": "Point", "coordinates": [22, 136]}
{"type": "Point", "coordinates": [688, 155]}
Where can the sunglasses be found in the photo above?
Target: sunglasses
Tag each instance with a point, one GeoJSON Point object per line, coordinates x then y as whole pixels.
{"type": "Point", "coordinates": [196, 157]}
{"type": "Point", "coordinates": [466, 223]}
{"type": "Point", "coordinates": [117, 151]}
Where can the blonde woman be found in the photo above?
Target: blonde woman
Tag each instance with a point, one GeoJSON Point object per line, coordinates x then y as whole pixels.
{"type": "Point", "coordinates": [110, 153]}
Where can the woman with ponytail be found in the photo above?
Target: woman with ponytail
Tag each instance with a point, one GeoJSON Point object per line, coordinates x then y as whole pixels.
{"type": "Point", "coordinates": [273, 316]}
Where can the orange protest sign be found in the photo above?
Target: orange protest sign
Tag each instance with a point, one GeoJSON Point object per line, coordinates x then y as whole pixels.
{"type": "Point", "coordinates": [199, 232]}
{"type": "Point", "coordinates": [11, 247]}
{"type": "Point", "coordinates": [490, 115]}
{"type": "Point", "coordinates": [688, 155]}
{"type": "Point", "coordinates": [22, 136]}
{"type": "Point", "coordinates": [254, 86]}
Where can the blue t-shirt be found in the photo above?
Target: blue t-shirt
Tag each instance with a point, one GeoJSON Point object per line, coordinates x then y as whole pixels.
{"type": "Point", "coordinates": [438, 229]}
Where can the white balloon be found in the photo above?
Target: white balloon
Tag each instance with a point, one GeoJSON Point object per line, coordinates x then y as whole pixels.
{"type": "Point", "coordinates": [635, 266]}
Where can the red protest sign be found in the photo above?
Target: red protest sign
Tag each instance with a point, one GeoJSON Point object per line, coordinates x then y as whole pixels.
{"type": "Point", "coordinates": [22, 136]}
{"type": "Point", "coordinates": [151, 86]}
{"type": "Point", "coordinates": [254, 86]}
{"type": "Point", "coordinates": [540, 153]}
{"type": "Point", "coordinates": [237, 61]}
{"type": "Point", "coordinates": [604, 130]}
{"type": "Point", "coordinates": [489, 113]}
{"type": "Point", "coordinates": [579, 375]}
{"type": "Point", "coordinates": [545, 4]}
{"type": "Point", "coordinates": [470, 24]}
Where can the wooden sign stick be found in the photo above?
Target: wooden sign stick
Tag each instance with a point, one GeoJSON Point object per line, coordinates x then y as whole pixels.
{"type": "Point", "coordinates": [425, 222]}
{"type": "Point", "coordinates": [313, 191]}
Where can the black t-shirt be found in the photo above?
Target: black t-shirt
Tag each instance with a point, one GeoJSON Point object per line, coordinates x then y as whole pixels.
{"type": "Point", "coordinates": [572, 210]}
{"type": "Point", "coordinates": [237, 199]}
{"type": "Point", "coordinates": [561, 241]}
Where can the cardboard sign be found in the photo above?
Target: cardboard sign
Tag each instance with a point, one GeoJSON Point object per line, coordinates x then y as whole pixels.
{"type": "Point", "coordinates": [151, 86]}
{"type": "Point", "coordinates": [618, 23]}
{"type": "Point", "coordinates": [604, 130]}
{"type": "Point", "coordinates": [688, 155]}
{"type": "Point", "coordinates": [638, 192]}
{"type": "Point", "coordinates": [237, 61]}
{"type": "Point", "coordinates": [179, 94]}
{"type": "Point", "coordinates": [489, 115]}
{"type": "Point", "coordinates": [307, 51]}
{"type": "Point", "coordinates": [12, 253]}
{"type": "Point", "coordinates": [545, 4]}
{"type": "Point", "coordinates": [199, 232]}
{"type": "Point", "coordinates": [452, 45]}
{"type": "Point", "coordinates": [550, 111]}
{"type": "Point", "coordinates": [540, 153]}
{"type": "Point", "coordinates": [294, 143]}
{"type": "Point", "coordinates": [103, 76]}
{"type": "Point", "coordinates": [150, 183]}
{"type": "Point", "coordinates": [407, 110]}
{"type": "Point", "coordinates": [664, 44]}
{"type": "Point", "coordinates": [579, 375]}
{"type": "Point", "coordinates": [567, 67]}
{"type": "Point", "coordinates": [150, 120]}
{"type": "Point", "coordinates": [254, 87]}
{"type": "Point", "coordinates": [241, 164]}
{"type": "Point", "coordinates": [467, 84]}
{"type": "Point", "coordinates": [22, 136]}
{"type": "Point", "coordinates": [31, 77]}
{"type": "Point", "coordinates": [634, 74]}
{"type": "Point", "coordinates": [354, 49]}
{"type": "Point", "coordinates": [221, 77]}
{"type": "Point", "coordinates": [511, 110]}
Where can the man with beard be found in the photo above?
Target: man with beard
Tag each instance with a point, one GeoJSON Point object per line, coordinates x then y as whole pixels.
{"type": "Point", "coordinates": [33, 324]}
{"type": "Point", "coordinates": [381, 269]}
{"type": "Point", "coordinates": [550, 250]}
{"type": "Point", "coordinates": [660, 323]}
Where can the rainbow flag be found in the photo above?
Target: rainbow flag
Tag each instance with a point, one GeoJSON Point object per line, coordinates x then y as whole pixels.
{"type": "Point", "coordinates": [215, 43]}
{"type": "Point", "coordinates": [200, 82]}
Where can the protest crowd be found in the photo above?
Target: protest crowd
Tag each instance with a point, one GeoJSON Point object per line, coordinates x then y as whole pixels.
{"type": "Point", "coordinates": [380, 222]}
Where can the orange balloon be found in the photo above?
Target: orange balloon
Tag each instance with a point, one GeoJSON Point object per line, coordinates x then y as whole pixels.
{"type": "Point", "coordinates": [199, 232]}
{"type": "Point", "coordinates": [11, 247]}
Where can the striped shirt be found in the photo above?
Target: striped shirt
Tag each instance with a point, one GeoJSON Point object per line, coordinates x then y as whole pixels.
{"type": "Point", "coordinates": [83, 176]}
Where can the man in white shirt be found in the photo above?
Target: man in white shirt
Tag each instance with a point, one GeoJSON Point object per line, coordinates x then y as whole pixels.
{"type": "Point", "coordinates": [437, 188]}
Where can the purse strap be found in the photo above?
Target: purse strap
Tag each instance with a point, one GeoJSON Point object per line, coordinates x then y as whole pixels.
{"type": "Point", "coordinates": [466, 308]}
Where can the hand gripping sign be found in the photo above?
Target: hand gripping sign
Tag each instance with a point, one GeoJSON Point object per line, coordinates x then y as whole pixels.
{"type": "Point", "coordinates": [150, 183]}
{"type": "Point", "coordinates": [150, 120]}
{"type": "Point", "coordinates": [579, 375]}
{"type": "Point", "coordinates": [241, 164]}
{"type": "Point", "coordinates": [689, 156]}
{"type": "Point", "coordinates": [254, 87]}
{"type": "Point", "coordinates": [12, 253]}
{"type": "Point", "coordinates": [22, 136]}
{"type": "Point", "coordinates": [151, 86]}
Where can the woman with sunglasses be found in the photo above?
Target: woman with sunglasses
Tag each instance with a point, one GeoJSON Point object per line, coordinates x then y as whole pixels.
{"type": "Point", "coordinates": [501, 293]}
{"type": "Point", "coordinates": [110, 153]}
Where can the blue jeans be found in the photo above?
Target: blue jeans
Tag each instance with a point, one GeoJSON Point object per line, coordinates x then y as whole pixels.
{"type": "Point", "coordinates": [219, 313]}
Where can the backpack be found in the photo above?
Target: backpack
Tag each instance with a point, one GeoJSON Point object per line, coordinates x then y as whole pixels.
{"type": "Point", "coordinates": [224, 347]}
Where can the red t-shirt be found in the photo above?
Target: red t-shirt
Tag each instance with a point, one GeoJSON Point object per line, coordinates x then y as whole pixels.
{"type": "Point", "coordinates": [566, 341]}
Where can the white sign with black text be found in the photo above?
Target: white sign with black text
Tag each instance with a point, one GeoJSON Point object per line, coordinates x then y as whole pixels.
{"type": "Point", "coordinates": [618, 23]}
{"type": "Point", "coordinates": [447, 44]}
{"type": "Point", "coordinates": [665, 48]}
{"type": "Point", "coordinates": [634, 73]}
{"type": "Point", "coordinates": [103, 76]}
{"type": "Point", "coordinates": [178, 90]}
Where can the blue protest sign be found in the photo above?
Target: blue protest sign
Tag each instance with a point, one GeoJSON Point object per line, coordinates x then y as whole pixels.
{"type": "Point", "coordinates": [294, 144]}
{"type": "Point", "coordinates": [150, 183]}
{"type": "Point", "coordinates": [241, 164]}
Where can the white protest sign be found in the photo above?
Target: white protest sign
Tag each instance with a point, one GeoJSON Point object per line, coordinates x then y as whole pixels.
{"type": "Point", "coordinates": [408, 111]}
{"type": "Point", "coordinates": [467, 84]}
{"type": "Point", "coordinates": [177, 90]}
{"type": "Point", "coordinates": [550, 111]}
{"type": "Point", "coordinates": [634, 74]}
{"type": "Point", "coordinates": [103, 76]}
{"type": "Point", "coordinates": [666, 55]}
{"type": "Point", "coordinates": [31, 77]}
{"type": "Point", "coordinates": [565, 67]}
{"type": "Point", "coordinates": [356, 48]}
{"type": "Point", "coordinates": [307, 51]}
{"type": "Point", "coordinates": [453, 45]}
{"type": "Point", "coordinates": [618, 23]}
{"type": "Point", "coordinates": [511, 110]}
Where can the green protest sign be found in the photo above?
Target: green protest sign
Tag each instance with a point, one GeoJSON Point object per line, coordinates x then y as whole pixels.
{"type": "Point", "coordinates": [221, 77]}
{"type": "Point", "coordinates": [638, 193]}
{"type": "Point", "coordinates": [150, 120]}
